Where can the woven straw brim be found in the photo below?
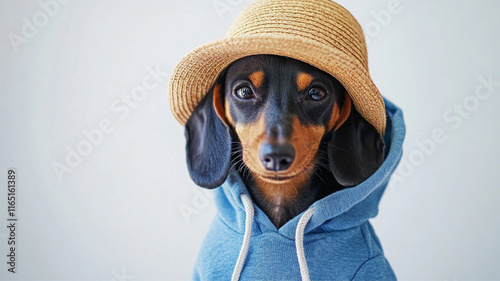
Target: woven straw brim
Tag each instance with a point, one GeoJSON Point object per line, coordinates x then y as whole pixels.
{"type": "Point", "coordinates": [197, 71]}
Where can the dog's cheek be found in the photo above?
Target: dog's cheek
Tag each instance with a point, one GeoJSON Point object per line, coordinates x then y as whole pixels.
{"type": "Point", "coordinates": [306, 140]}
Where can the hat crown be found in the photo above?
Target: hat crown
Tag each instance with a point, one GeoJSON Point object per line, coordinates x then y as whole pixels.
{"type": "Point", "coordinates": [323, 21]}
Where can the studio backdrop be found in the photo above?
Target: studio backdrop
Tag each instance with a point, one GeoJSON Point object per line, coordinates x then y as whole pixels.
{"type": "Point", "coordinates": [93, 176]}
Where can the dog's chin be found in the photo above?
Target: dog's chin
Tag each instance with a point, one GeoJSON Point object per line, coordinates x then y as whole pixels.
{"type": "Point", "coordinates": [278, 177]}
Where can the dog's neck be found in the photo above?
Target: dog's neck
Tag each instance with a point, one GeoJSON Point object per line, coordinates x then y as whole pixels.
{"type": "Point", "coordinates": [281, 200]}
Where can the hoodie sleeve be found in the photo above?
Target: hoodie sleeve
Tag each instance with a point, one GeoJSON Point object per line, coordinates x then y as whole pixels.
{"type": "Point", "coordinates": [376, 268]}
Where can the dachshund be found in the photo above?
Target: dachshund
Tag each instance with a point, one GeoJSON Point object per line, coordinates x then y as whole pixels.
{"type": "Point", "coordinates": [289, 129]}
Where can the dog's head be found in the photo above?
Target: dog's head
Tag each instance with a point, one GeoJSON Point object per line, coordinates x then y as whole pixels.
{"type": "Point", "coordinates": [280, 112]}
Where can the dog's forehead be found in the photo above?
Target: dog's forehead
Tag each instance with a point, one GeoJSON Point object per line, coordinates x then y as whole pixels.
{"type": "Point", "coordinates": [270, 66]}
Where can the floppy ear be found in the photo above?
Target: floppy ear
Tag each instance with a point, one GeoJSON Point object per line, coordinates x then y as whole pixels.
{"type": "Point", "coordinates": [208, 142]}
{"type": "Point", "coordinates": [355, 150]}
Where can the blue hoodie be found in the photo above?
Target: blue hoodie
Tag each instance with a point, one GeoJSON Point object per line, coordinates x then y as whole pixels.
{"type": "Point", "coordinates": [332, 240]}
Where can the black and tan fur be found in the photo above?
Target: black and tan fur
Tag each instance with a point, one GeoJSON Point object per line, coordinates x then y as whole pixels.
{"type": "Point", "coordinates": [288, 128]}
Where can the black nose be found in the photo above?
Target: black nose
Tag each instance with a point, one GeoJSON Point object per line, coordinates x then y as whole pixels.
{"type": "Point", "coordinates": [276, 157]}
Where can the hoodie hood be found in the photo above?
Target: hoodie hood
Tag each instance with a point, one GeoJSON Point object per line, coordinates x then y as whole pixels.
{"type": "Point", "coordinates": [333, 236]}
{"type": "Point", "coordinates": [341, 210]}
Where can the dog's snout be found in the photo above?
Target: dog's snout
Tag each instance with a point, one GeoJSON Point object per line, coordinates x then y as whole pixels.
{"type": "Point", "coordinates": [277, 157]}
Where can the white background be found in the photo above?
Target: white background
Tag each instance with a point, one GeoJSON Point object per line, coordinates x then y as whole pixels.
{"type": "Point", "coordinates": [116, 215]}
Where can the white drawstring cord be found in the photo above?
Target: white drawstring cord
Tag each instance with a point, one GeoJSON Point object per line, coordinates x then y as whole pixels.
{"type": "Point", "coordinates": [247, 202]}
{"type": "Point", "coordinates": [299, 244]}
{"type": "Point", "coordinates": [299, 240]}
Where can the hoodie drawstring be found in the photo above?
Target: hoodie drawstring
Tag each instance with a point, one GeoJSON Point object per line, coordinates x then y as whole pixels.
{"type": "Point", "coordinates": [247, 202]}
{"type": "Point", "coordinates": [299, 244]}
{"type": "Point", "coordinates": [299, 240]}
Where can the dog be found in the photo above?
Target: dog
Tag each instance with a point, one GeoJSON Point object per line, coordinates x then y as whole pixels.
{"type": "Point", "coordinates": [283, 120]}
{"type": "Point", "coordinates": [289, 129]}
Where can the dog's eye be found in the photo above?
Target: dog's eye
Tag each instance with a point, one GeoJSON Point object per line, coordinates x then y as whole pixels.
{"type": "Point", "coordinates": [317, 93]}
{"type": "Point", "coordinates": [244, 93]}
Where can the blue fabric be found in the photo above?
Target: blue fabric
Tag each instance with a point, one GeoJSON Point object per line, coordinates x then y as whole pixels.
{"type": "Point", "coordinates": [339, 241]}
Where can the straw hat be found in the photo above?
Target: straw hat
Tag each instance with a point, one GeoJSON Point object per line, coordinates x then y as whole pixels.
{"type": "Point", "coordinates": [319, 32]}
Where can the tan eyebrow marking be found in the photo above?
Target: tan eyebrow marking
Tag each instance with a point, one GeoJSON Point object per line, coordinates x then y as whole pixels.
{"type": "Point", "coordinates": [257, 78]}
{"type": "Point", "coordinates": [303, 80]}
